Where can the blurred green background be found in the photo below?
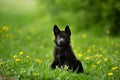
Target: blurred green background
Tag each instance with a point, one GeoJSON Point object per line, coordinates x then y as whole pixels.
{"type": "Point", "coordinates": [97, 16]}
{"type": "Point", "coordinates": [26, 26]}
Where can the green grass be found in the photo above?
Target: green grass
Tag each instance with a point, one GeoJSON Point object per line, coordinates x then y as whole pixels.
{"type": "Point", "coordinates": [26, 49]}
{"type": "Point", "coordinates": [98, 55]}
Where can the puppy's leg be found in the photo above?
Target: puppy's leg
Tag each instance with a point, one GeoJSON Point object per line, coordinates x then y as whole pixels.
{"type": "Point", "coordinates": [54, 64]}
{"type": "Point", "coordinates": [79, 66]}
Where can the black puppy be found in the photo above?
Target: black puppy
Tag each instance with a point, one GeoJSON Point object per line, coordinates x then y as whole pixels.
{"type": "Point", "coordinates": [63, 54]}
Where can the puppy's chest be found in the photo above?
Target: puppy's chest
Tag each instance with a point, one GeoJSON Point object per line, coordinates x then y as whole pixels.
{"type": "Point", "coordinates": [61, 54]}
{"type": "Point", "coordinates": [62, 57]}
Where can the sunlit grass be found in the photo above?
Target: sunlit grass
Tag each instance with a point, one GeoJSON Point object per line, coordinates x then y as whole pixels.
{"type": "Point", "coordinates": [28, 55]}
{"type": "Point", "coordinates": [27, 43]}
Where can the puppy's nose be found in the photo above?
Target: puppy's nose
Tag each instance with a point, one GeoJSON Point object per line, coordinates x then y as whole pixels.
{"type": "Point", "coordinates": [61, 41]}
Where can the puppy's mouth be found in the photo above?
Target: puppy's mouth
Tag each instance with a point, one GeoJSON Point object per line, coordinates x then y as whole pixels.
{"type": "Point", "coordinates": [61, 43]}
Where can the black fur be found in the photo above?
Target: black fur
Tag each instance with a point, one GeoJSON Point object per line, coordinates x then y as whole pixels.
{"type": "Point", "coordinates": [63, 54]}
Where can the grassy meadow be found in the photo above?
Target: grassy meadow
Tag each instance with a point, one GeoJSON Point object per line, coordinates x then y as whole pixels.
{"type": "Point", "coordinates": [27, 43]}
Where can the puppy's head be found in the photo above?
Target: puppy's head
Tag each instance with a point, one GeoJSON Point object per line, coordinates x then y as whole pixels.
{"type": "Point", "coordinates": [62, 38]}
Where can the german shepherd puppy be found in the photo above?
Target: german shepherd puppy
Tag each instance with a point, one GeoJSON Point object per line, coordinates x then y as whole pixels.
{"type": "Point", "coordinates": [63, 54]}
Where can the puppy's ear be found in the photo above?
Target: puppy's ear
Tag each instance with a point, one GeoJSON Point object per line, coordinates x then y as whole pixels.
{"type": "Point", "coordinates": [67, 30]}
{"type": "Point", "coordinates": [56, 30]}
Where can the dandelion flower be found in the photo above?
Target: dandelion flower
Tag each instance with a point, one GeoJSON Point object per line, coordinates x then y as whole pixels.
{"type": "Point", "coordinates": [80, 55]}
{"type": "Point", "coordinates": [27, 56]}
{"type": "Point", "coordinates": [17, 60]}
{"type": "Point", "coordinates": [99, 55]}
{"type": "Point", "coordinates": [105, 59]}
{"type": "Point", "coordinates": [87, 58]}
{"type": "Point", "coordinates": [110, 74]}
{"type": "Point", "coordinates": [21, 53]}
{"type": "Point", "coordinates": [47, 56]}
{"type": "Point", "coordinates": [76, 51]}
{"type": "Point", "coordinates": [89, 51]}
{"type": "Point", "coordinates": [38, 60]}
{"type": "Point", "coordinates": [5, 28]}
{"type": "Point", "coordinates": [114, 68]}
{"type": "Point", "coordinates": [14, 56]}
{"type": "Point", "coordinates": [84, 35]}
{"type": "Point", "coordinates": [98, 62]}
{"type": "Point", "coordinates": [94, 66]}
{"type": "Point", "coordinates": [36, 74]}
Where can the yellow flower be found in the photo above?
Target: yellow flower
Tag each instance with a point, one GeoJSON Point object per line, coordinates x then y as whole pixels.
{"type": "Point", "coordinates": [114, 68]}
{"type": "Point", "coordinates": [5, 28]}
{"type": "Point", "coordinates": [98, 62]}
{"type": "Point", "coordinates": [80, 55]}
{"type": "Point", "coordinates": [1, 63]}
{"type": "Point", "coordinates": [99, 55]}
{"type": "Point", "coordinates": [27, 56]}
{"type": "Point", "coordinates": [38, 60]}
{"type": "Point", "coordinates": [36, 74]}
{"type": "Point", "coordinates": [89, 51]}
{"type": "Point", "coordinates": [14, 56]}
{"type": "Point", "coordinates": [108, 32]}
{"type": "Point", "coordinates": [21, 53]}
{"type": "Point", "coordinates": [110, 74]}
{"type": "Point", "coordinates": [105, 59]}
{"type": "Point", "coordinates": [17, 60]}
{"type": "Point", "coordinates": [47, 56]}
{"type": "Point", "coordinates": [75, 50]}
{"type": "Point", "coordinates": [84, 35]}
{"type": "Point", "coordinates": [94, 66]}
{"type": "Point", "coordinates": [87, 58]}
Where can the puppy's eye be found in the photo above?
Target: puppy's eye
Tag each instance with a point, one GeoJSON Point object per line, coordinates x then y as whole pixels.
{"type": "Point", "coordinates": [62, 36]}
